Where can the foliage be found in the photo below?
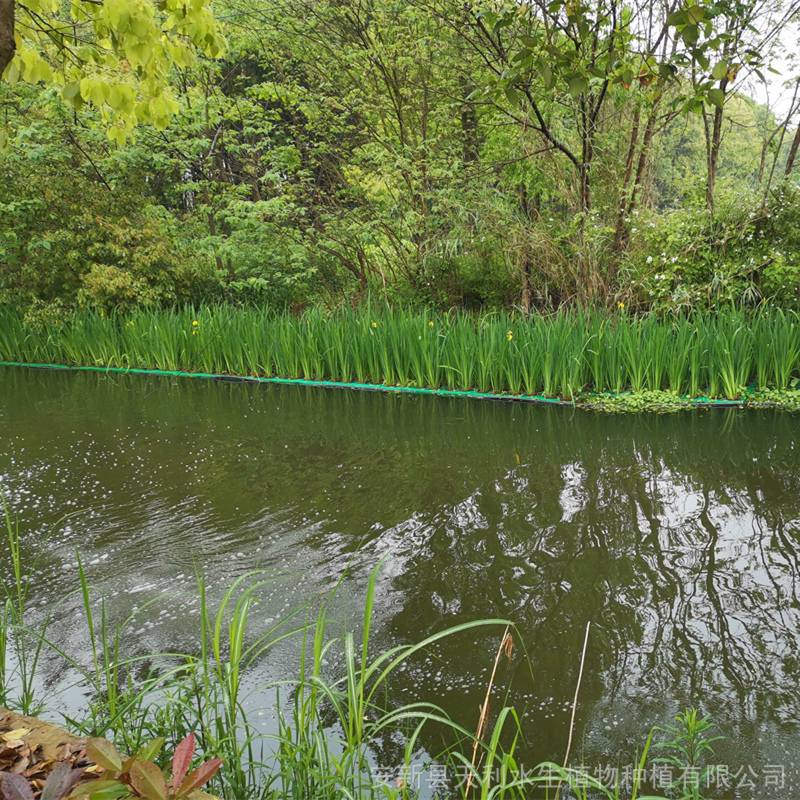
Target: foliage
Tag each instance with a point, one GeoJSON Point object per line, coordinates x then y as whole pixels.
{"type": "Point", "coordinates": [439, 155]}
{"type": "Point", "coordinates": [566, 354]}
{"type": "Point", "coordinates": [57, 786]}
{"type": "Point", "coordinates": [687, 746]}
{"type": "Point", "coordinates": [139, 775]}
{"type": "Point", "coordinates": [75, 242]}
{"type": "Point", "coordinates": [746, 253]}
{"type": "Point", "coordinates": [117, 55]}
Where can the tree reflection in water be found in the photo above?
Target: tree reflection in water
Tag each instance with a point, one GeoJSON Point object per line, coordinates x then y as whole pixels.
{"type": "Point", "coordinates": [677, 536]}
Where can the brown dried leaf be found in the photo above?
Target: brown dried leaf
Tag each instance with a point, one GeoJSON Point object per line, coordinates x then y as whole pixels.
{"type": "Point", "coordinates": [20, 766]}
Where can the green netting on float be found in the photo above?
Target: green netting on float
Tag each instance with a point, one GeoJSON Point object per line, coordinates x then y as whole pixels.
{"type": "Point", "coordinates": [371, 387]}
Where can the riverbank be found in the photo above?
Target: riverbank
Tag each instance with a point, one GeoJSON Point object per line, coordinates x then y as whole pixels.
{"type": "Point", "coordinates": [608, 362]}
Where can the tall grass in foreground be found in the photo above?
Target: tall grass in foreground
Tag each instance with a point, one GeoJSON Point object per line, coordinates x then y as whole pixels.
{"type": "Point", "coordinates": [565, 354]}
{"type": "Point", "coordinates": [329, 734]}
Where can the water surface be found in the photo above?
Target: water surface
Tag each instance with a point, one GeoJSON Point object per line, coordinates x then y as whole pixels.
{"type": "Point", "coordinates": [677, 537]}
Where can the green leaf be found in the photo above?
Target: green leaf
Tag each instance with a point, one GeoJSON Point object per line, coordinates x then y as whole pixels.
{"type": "Point", "coordinates": [514, 95]}
{"type": "Point", "coordinates": [104, 754]}
{"type": "Point", "coordinates": [690, 34]}
{"type": "Point", "coordinates": [148, 780]}
{"type": "Point", "coordinates": [149, 751]}
{"type": "Point", "coordinates": [720, 70]}
{"type": "Point", "coordinates": [91, 787]}
{"type": "Point", "coordinates": [696, 13]}
{"type": "Point", "coordinates": [716, 97]}
{"type": "Point", "coordinates": [577, 84]}
{"type": "Point", "coordinates": [72, 94]}
{"type": "Point", "coordinates": [667, 71]}
{"type": "Point", "coordinates": [694, 105]}
{"type": "Point", "coordinates": [12, 72]}
{"type": "Point", "coordinates": [489, 19]}
{"type": "Point", "coordinates": [105, 790]}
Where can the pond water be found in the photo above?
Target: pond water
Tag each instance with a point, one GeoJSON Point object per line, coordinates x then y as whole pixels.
{"type": "Point", "coordinates": [678, 537]}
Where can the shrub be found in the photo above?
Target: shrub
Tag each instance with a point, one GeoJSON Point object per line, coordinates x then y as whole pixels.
{"type": "Point", "coordinates": [745, 254]}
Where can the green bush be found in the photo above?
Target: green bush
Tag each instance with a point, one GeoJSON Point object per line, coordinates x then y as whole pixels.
{"type": "Point", "coordinates": [746, 254]}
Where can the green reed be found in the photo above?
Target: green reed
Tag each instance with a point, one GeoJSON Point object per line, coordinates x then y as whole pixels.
{"type": "Point", "coordinates": [21, 645]}
{"type": "Point", "coordinates": [567, 354]}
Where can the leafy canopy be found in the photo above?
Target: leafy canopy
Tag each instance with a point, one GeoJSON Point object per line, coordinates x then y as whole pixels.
{"type": "Point", "coordinates": [115, 54]}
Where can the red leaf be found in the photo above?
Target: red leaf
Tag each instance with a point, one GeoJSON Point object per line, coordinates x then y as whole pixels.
{"type": "Point", "coordinates": [14, 787]}
{"type": "Point", "coordinates": [181, 760]}
{"type": "Point", "coordinates": [200, 777]}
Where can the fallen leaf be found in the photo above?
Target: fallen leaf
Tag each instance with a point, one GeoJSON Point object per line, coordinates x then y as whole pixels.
{"type": "Point", "coordinates": [15, 735]}
{"type": "Point", "coordinates": [20, 766]}
{"type": "Point", "coordinates": [15, 787]}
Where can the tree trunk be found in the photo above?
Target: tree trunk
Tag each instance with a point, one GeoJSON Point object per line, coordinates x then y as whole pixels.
{"type": "Point", "coordinates": [628, 199]}
{"type": "Point", "coordinates": [762, 162]}
{"type": "Point", "coordinates": [792, 152]}
{"type": "Point", "coordinates": [644, 156]}
{"type": "Point", "coordinates": [713, 158]}
{"type": "Point", "coordinates": [8, 45]}
{"type": "Point", "coordinates": [469, 125]}
{"type": "Point", "coordinates": [713, 140]}
{"type": "Point", "coordinates": [212, 229]}
{"type": "Point", "coordinates": [529, 207]}
{"type": "Point", "coordinates": [622, 211]}
{"type": "Point", "coordinates": [587, 153]}
{"type": "Point", "coordinates": [587, 287]}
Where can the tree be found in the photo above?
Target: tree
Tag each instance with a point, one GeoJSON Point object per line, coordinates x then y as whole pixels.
{"type": "Point", "coordinates": [487, 153]}
{"type": "Point", "coordinates": [7, 41]}
{"type": "Point", "coordinates": [115, 54]}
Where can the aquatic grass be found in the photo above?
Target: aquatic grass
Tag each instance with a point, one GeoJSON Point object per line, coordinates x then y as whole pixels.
{"type": "Point", "coordinates": [568, 354]}
{"type": "Point", "coordinates": [731, 356]}
{"type": "Point", "coordinates": [21, 645]}
{"type": "Point", "coordinates": [777, 350]}
{"type": "Point", "coordinates": [454, 336]}
{"type": "Point", "coordinates": [330, 735]}
{"type": "Point", "coordinates": [678, 357]}
{"type": "Point", "coordinates": [659, 339]}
